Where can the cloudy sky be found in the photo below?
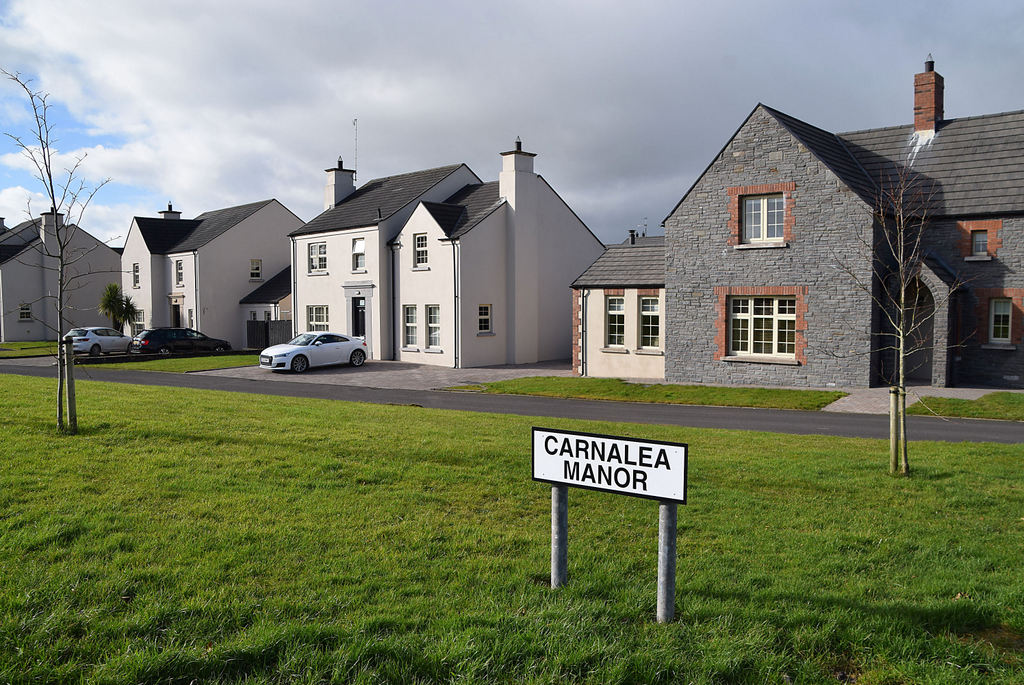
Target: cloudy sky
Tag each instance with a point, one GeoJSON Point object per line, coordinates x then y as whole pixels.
{"type": "Point", "coordinates": [212, 104]}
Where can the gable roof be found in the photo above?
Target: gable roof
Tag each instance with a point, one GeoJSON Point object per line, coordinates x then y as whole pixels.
{"type": "Point", "coordinates": [642, 264]}
{"type": "Point", "coordinates": [466, 208]}
{"type": "Point", "coordinates": [274, 290]}
{"type": "Point", "coordinates": [973, 165]}
{"type": "Point", "coordinates": [376, 200]}
{"type": "Point", "coordinates": [166, 236]}
{"type": "Point", "coordinates": [13, 242]}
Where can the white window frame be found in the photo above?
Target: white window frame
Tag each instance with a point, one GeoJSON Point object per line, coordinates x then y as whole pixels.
{"type": "Point", "coordinates": [317, 317]}
{"type": "Point", "coordinates": [140, 323]}
{"type": "Point", "coordinates": [359, 254]}
{"type": "Point", "coordinates": [25, 312]}
{"type": "Point", "coordinates": [433, 317]}
{"type": "Point", "coordinates": [650, 322]}
{"type": "Point", "coordinates": [316, 258]}
{"type": "Point", "coordinates": [757, 225]}
{"type": "Point", "coordinates": [747, 316]}
{"type": "Point", "coordinates": [483, 318]}
{"type": "Point", "coordinates": [420, 256]}
{"type": "Point", "coordinates": [255, 269]}
{"type": "Point", "coordinates": [614, 321]}
{"type": "Point", "coordinates": [252, 315]}
{"type": "Point", "coordinates": [979, 248]}
{"type": "Point", "coordinates": [136, 275]}
{"type": "Point", "coordinates": [410, 332]}
{"type": "Point", "coordinates": [179, 272]}
{"type": "Point", "coordinates": [1000, 303]}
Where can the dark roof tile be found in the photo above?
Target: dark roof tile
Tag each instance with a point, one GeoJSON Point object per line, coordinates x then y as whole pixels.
{"type": "Point", "coordinates": [274, 290]}
{"type": "Point", "coordinates": [167, 236]}
{"type": "Point", "coordinates": [626, 265]}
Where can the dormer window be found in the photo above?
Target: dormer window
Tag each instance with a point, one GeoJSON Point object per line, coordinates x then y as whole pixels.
{"type": "Point", "coordinates": [763, 217]}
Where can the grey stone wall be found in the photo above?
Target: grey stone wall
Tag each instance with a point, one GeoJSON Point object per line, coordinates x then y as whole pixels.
{"type": "Point", "coordinates": [972, 361]}
{"type": "Point", "coordinates": [832, 229]}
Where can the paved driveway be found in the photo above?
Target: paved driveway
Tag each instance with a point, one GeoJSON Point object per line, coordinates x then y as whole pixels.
{"type": "Point", "coordinates": [398, 375]}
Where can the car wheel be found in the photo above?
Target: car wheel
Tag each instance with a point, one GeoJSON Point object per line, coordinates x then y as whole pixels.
{"type": "Point", "coordinates": [164, 350]}
{"type": "Point", "coordinates": [219, 348]}
{"type": "Point", "coordinates": [357, 358]}
{"type": "Point", "coordinates": [94, 351]}
{"type": "Point", "coordinates": [299, 364]}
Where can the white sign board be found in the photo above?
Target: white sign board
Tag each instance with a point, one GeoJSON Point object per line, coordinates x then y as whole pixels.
{"type": "Point", "coordinates": [642, 468]}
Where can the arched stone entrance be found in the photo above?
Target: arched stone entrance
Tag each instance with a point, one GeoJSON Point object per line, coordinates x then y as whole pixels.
{"type": "Point", "coordinates": [921, 338]}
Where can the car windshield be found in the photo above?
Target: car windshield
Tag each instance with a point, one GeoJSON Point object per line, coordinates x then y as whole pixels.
{"type": "Point", "coordinates": [304, 339]}
{"type": "Point", "coordinates": [78, 332]}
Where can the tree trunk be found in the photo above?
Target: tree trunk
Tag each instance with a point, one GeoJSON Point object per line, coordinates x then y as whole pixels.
{"type": "Point", "coordinates": [69, 355]}
{"type": "Point", "coordinates": [894, 431]}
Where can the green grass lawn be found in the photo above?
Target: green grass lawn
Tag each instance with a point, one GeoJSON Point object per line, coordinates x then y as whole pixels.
{"type": "Point", "coordinates": [616, 389]}
{"type": "Point", "coordinates": [192, 535]}
{"type": "Point", "coordinates": [1008, 406]}
{"type": "Point", "coordinates": [176, 365]}
{"type": "Point", "coordinates": [28, 349]}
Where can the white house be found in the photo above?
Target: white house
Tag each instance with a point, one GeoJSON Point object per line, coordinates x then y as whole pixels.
{"type": "Point", "coordinates": [28, 278]}
{"type": "Point", "coordinates": [193, 272]}
{"type": "Point", "coordinates": [437, 267]}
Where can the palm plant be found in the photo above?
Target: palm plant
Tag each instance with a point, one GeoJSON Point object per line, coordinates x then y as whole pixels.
{"type": "Point", "coordinates": [117, 306]}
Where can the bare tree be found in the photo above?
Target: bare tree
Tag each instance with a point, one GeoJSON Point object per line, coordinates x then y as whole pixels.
{"type": "Point", "coordinates": [68, 197]}
{"type": "Point", "coordinates": [897, 251]}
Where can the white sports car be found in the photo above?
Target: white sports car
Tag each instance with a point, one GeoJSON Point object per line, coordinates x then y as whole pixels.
{"type": "Point", "coordinates": [314, 349]}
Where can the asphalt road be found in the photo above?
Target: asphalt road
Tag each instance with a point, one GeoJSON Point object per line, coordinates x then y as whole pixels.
{"type": "Point", "coordinates": [736, 418]}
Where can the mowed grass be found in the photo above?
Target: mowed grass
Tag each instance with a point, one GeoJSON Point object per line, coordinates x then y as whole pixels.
{"type": "Point", "coordinates": [28, 349]}
{"type": "Point", "coordinates": [1008, 406]}
{"type": "Point", "coordinates": [214, 537]}
{"type": "Point", "coordinates": [616, 389]}
{"type": "Point", "coordinates": [185, 364]}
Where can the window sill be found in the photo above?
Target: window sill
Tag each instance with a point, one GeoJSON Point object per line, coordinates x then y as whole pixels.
{"type": "Point", "coordinates": [1009, 347]}
{"type": "Point", "coordinates": [255, 280]}
{"type": "Point", "coordinates": [651, 352]}
{"type": "Point", "coordinates": [760, 359]}
{"type": "Point", "coordinates": [410, 349]}
{"type": "Point", "coordinates": [318, 273]}
{"type": "Point", "coordinates": [421, 268]}
{"type": "Point", "coordinates": [760, 246]}
{"type": "Point", "coordinates": [359, 271]}
{"type": "Point", "coordinates": [615, 350]}
{"type": "Point", "coordinates": [978, 258]}
{"type": "Point", "coordinates": [434, 350]}
{"type": "Point", "coordinates": [485, 334]}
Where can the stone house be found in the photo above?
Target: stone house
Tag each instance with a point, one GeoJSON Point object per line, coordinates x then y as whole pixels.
{"type": "Point", "coordinates": [764, 251]}
{"type": "Point", "coordinates": [439, 267]}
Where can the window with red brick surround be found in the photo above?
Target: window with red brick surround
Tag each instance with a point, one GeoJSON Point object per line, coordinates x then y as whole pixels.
{"type": "Point", "coordinates": [722, 294]}
{"type": "Point", "coordinates": [736, 195]}
{"type": "Point", "coordinates": [985, 297]}
{"type": "Point", "coordinates": [991, 226]}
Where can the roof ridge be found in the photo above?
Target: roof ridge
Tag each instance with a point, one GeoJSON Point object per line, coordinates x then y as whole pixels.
{"type": "Point", "coordinates": [944, 121]}
{"type": "Point", "coordinates": [418, 171]}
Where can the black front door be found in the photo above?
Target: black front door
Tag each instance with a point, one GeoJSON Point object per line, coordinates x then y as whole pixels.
{"type": "Point", "coordinates": [359, 317]}
{"type": "Point", "coordinates": [175, 315]}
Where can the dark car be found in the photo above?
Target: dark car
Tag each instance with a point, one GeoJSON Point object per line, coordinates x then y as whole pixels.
{"type": "Point", "coordinates": [168, 340]}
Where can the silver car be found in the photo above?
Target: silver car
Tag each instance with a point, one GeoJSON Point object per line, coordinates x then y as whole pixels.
{"type": "Point", "coordinates": [95, 340]}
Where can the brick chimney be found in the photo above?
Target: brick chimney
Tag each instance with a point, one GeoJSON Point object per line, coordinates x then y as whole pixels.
{"type": "Point", "coordinates": [927, 98]}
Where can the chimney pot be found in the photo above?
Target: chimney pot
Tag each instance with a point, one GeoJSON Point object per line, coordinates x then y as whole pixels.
{"type": "Point", "coordinates": [519, 144]}
{"type": "Point", "coordinates": [632, 236]}
{"type": "Point", "coordinates": [2, 226]}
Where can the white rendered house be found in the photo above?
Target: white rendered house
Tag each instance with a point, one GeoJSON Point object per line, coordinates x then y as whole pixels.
{"type": "Point", "coordinates": [437, 267]}
{"type": "Point", "coordinates": [28, 278]}
{"type": "Point", "coordinates": [193, 272]}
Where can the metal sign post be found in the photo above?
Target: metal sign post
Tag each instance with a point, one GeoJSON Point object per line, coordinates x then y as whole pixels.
{"type": "Point", "coordinates": [640, 468]}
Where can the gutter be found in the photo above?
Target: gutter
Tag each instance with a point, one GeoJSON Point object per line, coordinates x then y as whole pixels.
{"type": "Point", "coordinates": [295, 271]}
{"type": "Point", "coordinates": [455, 292]}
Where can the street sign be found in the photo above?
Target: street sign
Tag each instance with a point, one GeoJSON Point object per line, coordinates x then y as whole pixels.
{"type": "Point", "coordinates": [627, 466]}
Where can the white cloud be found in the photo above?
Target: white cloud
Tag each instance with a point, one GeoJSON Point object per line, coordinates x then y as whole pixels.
{"type": "Point", "coordinates": [211, 104]}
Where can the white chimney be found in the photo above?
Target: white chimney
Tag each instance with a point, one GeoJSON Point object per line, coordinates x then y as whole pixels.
{"type": "Point", "coordinates": [516, 172]}
{"type": "Point", "coordinates": [340, 184]}
{"type": "Point", "coordinates": [170, 213]}
{"type": "Point", "coordinates": [49, 223]}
